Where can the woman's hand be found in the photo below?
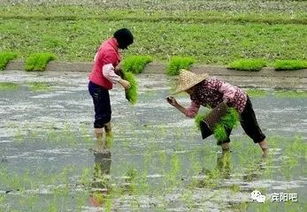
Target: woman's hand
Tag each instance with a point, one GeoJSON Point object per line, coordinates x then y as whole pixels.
{"type": "Point", "coordinates": [125, 84]}
{"type": "Point", "coordinates": [118, 70]}
{"type": "Point", "coordinates": [172, 101]}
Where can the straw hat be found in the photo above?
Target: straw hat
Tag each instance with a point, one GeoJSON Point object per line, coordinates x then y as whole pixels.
{"type": "Point", "coordinates": [187, 80]}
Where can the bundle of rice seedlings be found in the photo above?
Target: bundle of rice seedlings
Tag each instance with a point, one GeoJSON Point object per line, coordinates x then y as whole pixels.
{"type": "Point", "coordinates": [177, 63]}
{"type": "Point", "coordinates": [220, 132]}
{"type": "Point", "coordinates": [229, 121]}
{"type": "Point", "coordinates": [38, 61]}
{"type": "Point", "coordinates": [247, 64]}
{"type": "Point", "coordinates": [131, 93]}
{"type": "Point", "coordinates": [198, 119]}
{"type": "Point", "coordinates": [135, 64]}
{"type": "Point", "coordinates": [5, 58]}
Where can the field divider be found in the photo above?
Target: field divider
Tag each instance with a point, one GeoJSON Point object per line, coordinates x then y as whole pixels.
{"type": "Point", "coordinates": [160, 68]}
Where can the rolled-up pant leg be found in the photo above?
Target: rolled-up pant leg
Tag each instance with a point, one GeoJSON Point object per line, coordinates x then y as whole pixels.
{"type": "Point", "coordinates": [101, 100]}
{"type": "Point", "coordinates": [249, 123]}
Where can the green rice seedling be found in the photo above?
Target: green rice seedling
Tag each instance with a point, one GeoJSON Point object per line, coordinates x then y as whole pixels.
{"type": "Point", "coordinates": [296, 147]}
{"type": "Point", "coordinates": [84, 133]}
{"type": "Point", "coordinates": [132, 173]}
{"type": "Point", "coordinates": [247, 64]}
{"type": "Point", "coordinates": [282, 65]}
{"type": "Point", "coordinates": [85, 177]}
{"type": "Point", "coordinates": [198, 119]}
{"type": "Point", "coordinates": [109, 141]}
{"type": "Point", "coordinates": [135, 64]}
{"type": "Point", "coordinates": [256, 93]}
{"type": "Point", "coordinates": [175, 166]}
{"type": "Point", "coordinates": [220, 132]}
{"type": "Point", "coordinates": [235, 188]}
{"type": "Point", "coordinates": [5, 58]}
{"type": "Point", "coordinates": [177, 63]}
{"type": "Point", "coordinates": [187, 198]}
{"type": "Point", "coordinates": [263, 207]}
{"type": "Point", "coordinates": [131, 93]}
{"type": "Point", "coordinates": [38, 61]}
{"type": "Point", "coordinates": [108, 203]}
{"type": "Point", "coordinates": [230, 120]}
{"type": "Point", "coordinates": [212, 179]}
{"type": "Point", "coordinates": [142, 186]}
{"type": "Point", "coordinates": [19, 136]}
{"type": "Point", "coordinates": [39, 86]}
{"type": "Point", "coordinates": [242, 206]}
{"type": "Point", "coordinates": [8, 86]}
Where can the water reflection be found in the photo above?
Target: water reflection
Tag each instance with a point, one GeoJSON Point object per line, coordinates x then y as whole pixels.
{"type": "Point", "coordinates": [255, 171]}
{"type": "Point", "coordinates": [223, 170]}
{"type": "Point", "coordinates": [101, 177]}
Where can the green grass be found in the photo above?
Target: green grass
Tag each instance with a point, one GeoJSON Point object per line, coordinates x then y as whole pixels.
{"type": "Point", "coordinates": [38, 61]}
{"type": "Point", "coordinates": [142, 13]}
{"type": "Point", "coordinates": [39, 86]}
{"type": "Point", "coordinates": [209, 42]}
{"type": "Point", "coordinates": [131, 93]}
{"type": "Point", "coordinates": [7, 86]}
{"type": "Point", "coordinates": [135, 64]}
{"type": "Point", "coordinates": [290, 94]}
{"type": "Point", "coordinates": [247, 64]}
{"type": "Point", "coordinates": [5, 58]}
{"type": "Point", "coordinates": [281, 65]}
{"type": "Point", "coordinates": [177, 63]}
{"type": "Point", "coordinates": [256, 93]}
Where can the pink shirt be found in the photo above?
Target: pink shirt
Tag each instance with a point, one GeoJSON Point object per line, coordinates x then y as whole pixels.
{"type": "Point", "coordinates": [107, 54]}
{"type": "Point", "coordinates": [211, 92]}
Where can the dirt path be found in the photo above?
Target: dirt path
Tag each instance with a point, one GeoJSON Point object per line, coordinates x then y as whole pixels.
{"type": "Point", "coordinates": [266, 78]}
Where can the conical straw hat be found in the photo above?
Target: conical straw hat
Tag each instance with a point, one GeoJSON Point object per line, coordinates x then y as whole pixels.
{"type": "Point", "coordinates": [187, 80]}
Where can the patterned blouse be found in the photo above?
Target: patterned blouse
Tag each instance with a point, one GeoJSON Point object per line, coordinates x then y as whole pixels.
{"type": "Point", "coordinates": [211, 92]}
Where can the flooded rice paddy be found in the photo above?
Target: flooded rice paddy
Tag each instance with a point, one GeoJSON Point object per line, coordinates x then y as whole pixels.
{"type": "Point", "coordinates": [158, 161]}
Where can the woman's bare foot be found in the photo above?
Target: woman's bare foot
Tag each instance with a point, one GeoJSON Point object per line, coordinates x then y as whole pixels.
{"type": "Point", "coordinates": [225, 147]}
{"type": "Point", "coordinates": [264, 146]}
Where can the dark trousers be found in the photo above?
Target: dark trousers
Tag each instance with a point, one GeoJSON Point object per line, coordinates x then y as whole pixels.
{"type": "Point", "coordinates": [249, 123]}
{"type": "Point", "coordinates": [101, 100]}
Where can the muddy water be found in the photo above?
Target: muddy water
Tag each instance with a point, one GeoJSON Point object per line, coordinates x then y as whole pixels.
{"type": "Point", "coordinates": [158, 160]}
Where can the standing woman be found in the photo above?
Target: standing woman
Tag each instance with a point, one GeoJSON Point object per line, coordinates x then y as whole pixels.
{"type": "Point", "coordinates": [210, 92]}
{"type": "Point", "coordinates": [102, 78]}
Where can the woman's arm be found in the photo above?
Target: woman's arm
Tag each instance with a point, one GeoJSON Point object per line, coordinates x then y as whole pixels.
{"type": "Point", "coordinates": [189, 112]}
{"type": "Point", "coordinates": [108, 72]}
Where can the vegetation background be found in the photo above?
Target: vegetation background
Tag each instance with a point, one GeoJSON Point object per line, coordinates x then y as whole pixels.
{"type": "Point", "coordinates": [213, 32]}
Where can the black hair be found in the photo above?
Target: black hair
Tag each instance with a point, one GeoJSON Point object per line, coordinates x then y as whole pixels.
{"type": "Point", "coordinates": [124, 38]}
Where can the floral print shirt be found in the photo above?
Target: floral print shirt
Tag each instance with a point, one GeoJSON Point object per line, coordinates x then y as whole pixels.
{"type": "Point", "coordinates": [211, 92]}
